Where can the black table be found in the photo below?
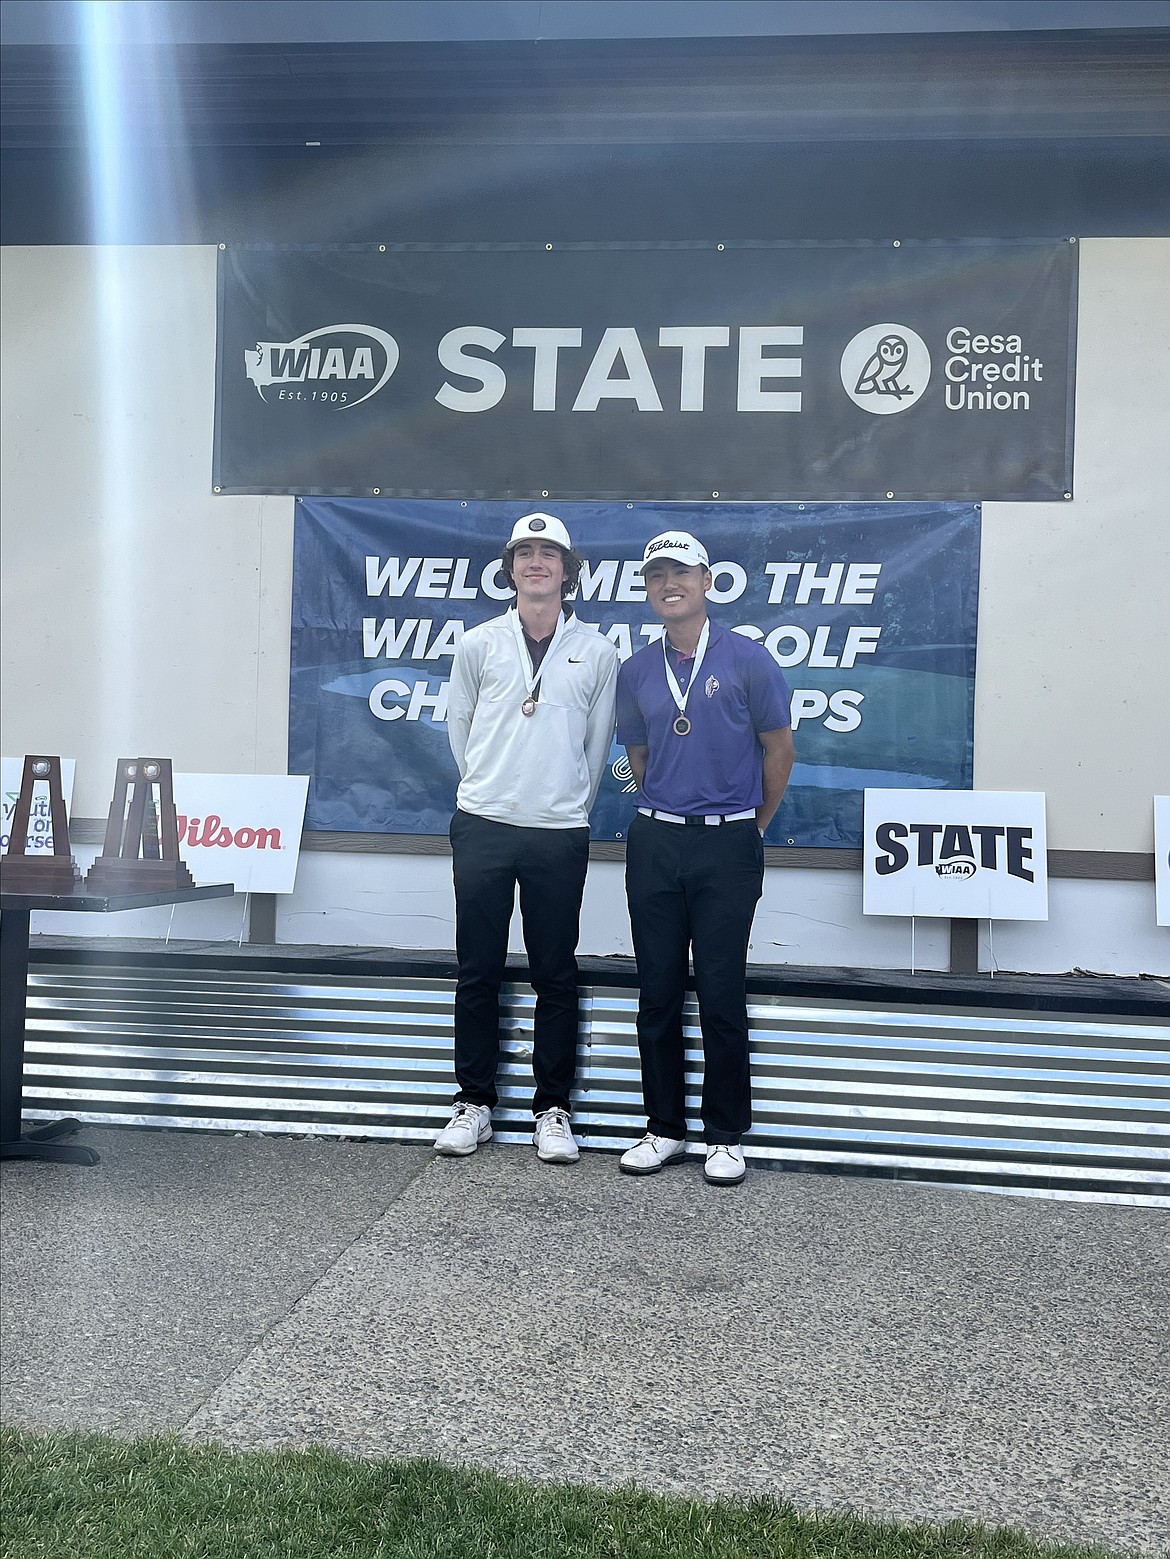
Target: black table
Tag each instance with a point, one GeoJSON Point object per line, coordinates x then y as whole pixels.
{"type": "Point", "coordinates": [15, 909]}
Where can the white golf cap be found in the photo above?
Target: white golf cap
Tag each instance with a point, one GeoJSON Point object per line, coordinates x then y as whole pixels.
{"type": "Point", "coordinates": [677, 544]}
{"type": "Point", "coordinates": [540, 527]}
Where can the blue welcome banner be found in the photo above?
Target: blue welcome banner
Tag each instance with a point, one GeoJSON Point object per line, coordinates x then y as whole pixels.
{"type": "Point", "coordinates": [870, 609]}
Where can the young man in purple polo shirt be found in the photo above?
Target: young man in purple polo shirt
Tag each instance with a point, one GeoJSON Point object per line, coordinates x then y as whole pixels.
{"type": "Point", "coordinates": [704, 717]}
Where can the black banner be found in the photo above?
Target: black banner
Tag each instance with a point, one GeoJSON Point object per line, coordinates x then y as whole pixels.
{"type": "Point", "coordinates": [700, 371]}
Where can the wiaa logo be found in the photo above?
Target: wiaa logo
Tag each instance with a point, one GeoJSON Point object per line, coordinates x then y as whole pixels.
{"type": "Point", "coordinates": [960, 866]}
{"type": "Point", "coordinates": [885, 368]}
{"type": "Point", "coordinates": [334, 355]}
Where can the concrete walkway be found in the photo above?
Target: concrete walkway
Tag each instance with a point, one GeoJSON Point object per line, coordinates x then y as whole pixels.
{"type": "Point", "coordinates": [914, 1353]}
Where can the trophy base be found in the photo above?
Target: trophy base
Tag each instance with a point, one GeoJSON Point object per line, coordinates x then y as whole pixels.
{"type": "Point", "coordinates": [112, 874]}
{"type": "Point", "coordinates": [39, 874]}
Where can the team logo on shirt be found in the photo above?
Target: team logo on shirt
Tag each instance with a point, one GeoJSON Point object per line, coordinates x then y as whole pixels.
{"type": "Point", "coordinates": [711, 686]}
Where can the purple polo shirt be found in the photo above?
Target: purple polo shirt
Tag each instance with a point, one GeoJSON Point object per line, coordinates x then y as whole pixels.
{"type": "Point", "coordinates": [719, 765]}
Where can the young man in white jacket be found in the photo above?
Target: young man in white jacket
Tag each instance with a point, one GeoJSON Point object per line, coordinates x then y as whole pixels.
{"type": "Point", "coordinates": [530, 717]}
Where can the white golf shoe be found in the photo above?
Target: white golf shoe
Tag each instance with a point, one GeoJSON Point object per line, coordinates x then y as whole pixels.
{"type": "Point", "coordinates": [725, 1165]}
{"type": "Point", "coordinates": [652, 1154]}
{"type": "Point", "coordinates": [470, 1125]}
{"type": "Point", "coordinates": [553, 1138]}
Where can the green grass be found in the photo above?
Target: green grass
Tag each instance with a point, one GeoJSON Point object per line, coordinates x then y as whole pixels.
{"type": "Point", "coordinates": [70, 1496]}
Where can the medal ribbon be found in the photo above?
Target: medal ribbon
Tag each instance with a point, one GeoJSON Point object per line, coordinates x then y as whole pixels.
{"type": "Point", "coordinates": [532, 678]}
{"type": "Point", "coordinates": [676, 692]}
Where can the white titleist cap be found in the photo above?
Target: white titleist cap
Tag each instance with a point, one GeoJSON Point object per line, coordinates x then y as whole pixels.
{"type": "Point", "coordinates": [540, 527]}
{"type": "Point", "coordinates": [677, 544]}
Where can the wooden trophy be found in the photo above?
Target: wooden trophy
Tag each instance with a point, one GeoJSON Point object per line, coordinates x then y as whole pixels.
{"type": "Point", "coordinates": [141, 849]}
{"type": "Point", "coordinates": [42, 873]}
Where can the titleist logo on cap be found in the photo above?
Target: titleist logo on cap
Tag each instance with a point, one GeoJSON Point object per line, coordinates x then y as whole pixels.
{"type": "Point", "coordinates": [679, 545]}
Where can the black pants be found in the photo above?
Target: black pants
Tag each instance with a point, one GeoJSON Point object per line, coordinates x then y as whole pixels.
{"type": "Point", "coordinates": [549, 865]}
{"type": "Point", "coordinates": [696, 888]}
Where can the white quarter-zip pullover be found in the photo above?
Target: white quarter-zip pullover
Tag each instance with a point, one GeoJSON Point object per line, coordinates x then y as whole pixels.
{"type": "Point", "coordinates": [540, 770]}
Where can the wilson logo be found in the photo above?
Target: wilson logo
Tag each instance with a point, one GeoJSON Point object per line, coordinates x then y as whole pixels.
{"type": "Point", "coordinates": [324, 365]}
{"type": "Point", "coordinates": [204, 833]}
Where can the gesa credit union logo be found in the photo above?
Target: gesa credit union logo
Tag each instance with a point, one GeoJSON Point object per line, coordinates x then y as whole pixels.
{"type": "Point", "coordinates": [885, 368]}
{"type": "Point", "coordinates": [338, 365]}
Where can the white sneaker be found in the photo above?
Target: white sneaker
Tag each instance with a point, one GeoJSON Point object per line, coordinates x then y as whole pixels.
{"type": "Point", "coordinates": [470, 1124]}
{"type": "Point", "coordinates": [652, 1154]}
{"type": "Point", "coordinates": [553, 1138]}
{"type": "Point", "coordinates": [725, 1165]}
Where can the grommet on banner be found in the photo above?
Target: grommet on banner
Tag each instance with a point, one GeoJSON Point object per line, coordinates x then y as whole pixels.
{"type": "Point", "coordinates": [1072, 240]}
{"type": "Point", "coordinates": [720, 248]}
{"type": "Point", "coordinates": [548, 246]}
{"type": "Point", "coordinates": [889, 495]}
{"type": "Point", "coordinates": [714, 495]}
{"type": "Point", "coordinates": [216, 489]}
{"type": "Point", "coordinates": [1068, 495]}
{"type": "Point", "coordinates": [377, 491]}
{"type": "Point", "coordinates": [897, 243]}
{"type": "Point", "coordinates": [544, 492]}
{"type": "Point", "coordinates": [223, 246]}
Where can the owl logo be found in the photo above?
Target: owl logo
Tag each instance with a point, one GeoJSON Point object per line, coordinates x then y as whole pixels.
{"type": "Point", "coordinates": [880, 374]}
{"type": "Point", "coordinates": [711, 686]}
{"type": "Point", "coordinates": [885, 368]}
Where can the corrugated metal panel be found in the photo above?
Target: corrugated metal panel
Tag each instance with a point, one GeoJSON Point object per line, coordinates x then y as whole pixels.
{"type": "Point", "coordinates": [1047, 1103]}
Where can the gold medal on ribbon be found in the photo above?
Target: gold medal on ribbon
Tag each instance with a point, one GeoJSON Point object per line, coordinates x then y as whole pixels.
{"type": "Point", "coordinates": [532, 678]}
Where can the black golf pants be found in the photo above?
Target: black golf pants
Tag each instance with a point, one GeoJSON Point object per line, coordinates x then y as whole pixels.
{"type": "Point", "coordinates": [548, 865]}
{"type": "Point", "coordinates": [694, 889]}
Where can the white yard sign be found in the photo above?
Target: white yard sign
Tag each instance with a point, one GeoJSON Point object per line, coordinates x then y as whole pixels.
{"type": "Point", "coordinates": [1162, 858]}
{"type": "Point", "coordinates": [242, 828]}
{"type": "Point", "coordinates": [978, 854]}
{"type": "Point", "coordinates": [40, 824]}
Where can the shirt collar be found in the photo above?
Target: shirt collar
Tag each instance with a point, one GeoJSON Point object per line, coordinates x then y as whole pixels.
{"type": "Point", "coordinates": [715, 634]}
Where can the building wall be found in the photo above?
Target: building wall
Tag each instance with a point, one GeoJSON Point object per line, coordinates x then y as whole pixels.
{"type": "Point", "coordinates": [144, 613]}
{"type": "Point", "coordinates": [1074, 630]}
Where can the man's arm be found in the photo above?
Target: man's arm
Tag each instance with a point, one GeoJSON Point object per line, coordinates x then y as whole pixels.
{"type": "Point", "coordinates": [778, 755]}
{"type": "Point", "coordinates": [462, 692]}
{"type": "Point", "coordinates": [637, 757]}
